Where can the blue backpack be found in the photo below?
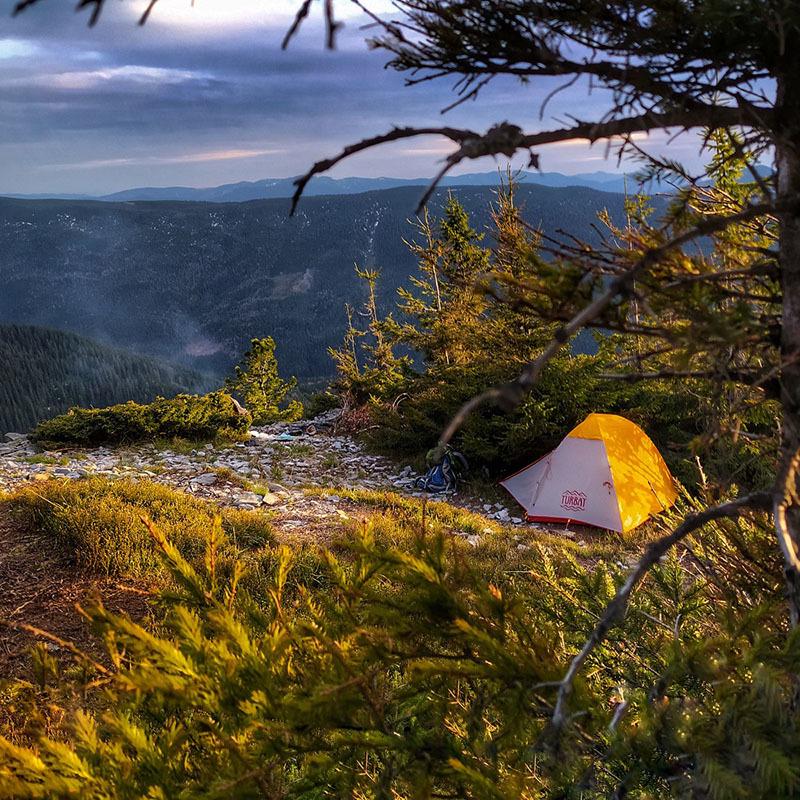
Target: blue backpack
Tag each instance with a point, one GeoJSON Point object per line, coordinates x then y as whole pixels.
{"type": "Point", "coordinates": [444, 476]}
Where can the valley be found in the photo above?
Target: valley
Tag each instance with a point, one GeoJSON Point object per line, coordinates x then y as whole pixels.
{"type": "Point", "coordinates": [191, 283]}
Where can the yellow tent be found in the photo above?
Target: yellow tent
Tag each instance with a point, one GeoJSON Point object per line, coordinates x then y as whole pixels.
{"type": "Point", "coordinates": [606, 473]}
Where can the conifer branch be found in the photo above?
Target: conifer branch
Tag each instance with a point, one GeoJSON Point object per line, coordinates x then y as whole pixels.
{"type": "Point", "coordinates": [513, 393]}
{"type": "Point", "coordinates": [616, 609]}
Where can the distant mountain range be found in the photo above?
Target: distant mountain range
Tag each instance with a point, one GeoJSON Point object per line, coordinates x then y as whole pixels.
{"type": "Point", "coordinates": [323, 185]}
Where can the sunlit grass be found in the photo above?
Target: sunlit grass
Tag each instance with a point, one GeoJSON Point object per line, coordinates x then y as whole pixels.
{"type": "Point", "coordinates": [101, 522]}
{"type": "Point", "coordinates": [585, 542]}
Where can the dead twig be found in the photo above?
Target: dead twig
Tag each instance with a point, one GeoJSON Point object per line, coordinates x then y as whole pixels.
{"type": "Point", "coordinates": [786, 497]}
{"type": "Point", "coordinates": [63, 643]}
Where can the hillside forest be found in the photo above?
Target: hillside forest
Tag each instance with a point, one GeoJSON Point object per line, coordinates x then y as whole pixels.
{"type": "Point", "coordinates": [192, 283]}
{"type": "Point", "coordinates": [46, 371]}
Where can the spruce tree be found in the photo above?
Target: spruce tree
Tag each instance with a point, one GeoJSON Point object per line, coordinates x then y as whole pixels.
{"type": "Point", "coordinates": [445, 305]}
{"type": "Point", "coordinates": [261, 389]}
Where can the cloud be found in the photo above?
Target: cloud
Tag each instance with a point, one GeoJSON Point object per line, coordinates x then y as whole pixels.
{"type": "Point", "coordinates": [181, 158]}
{"type": "Point", "coordinates": [17, 48]}
{"type": "Point", "coordinates": [117, 105]}
{"type": "Point", "coordinates": [88, 79]}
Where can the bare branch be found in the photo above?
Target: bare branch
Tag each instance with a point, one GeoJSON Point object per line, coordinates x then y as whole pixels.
{"type": "Point", "coordinates": [506, 139]}
{"type": "Point", "coordinates": [396, 134]}
{"type": "Point", "coordinates": [786, 497]}
{"type": "Point", "coordinates": [301, 14]}
{"type": "Point", "coordinates": [616, 609]}
{"type": "Point", "coordinates": [149, 10]}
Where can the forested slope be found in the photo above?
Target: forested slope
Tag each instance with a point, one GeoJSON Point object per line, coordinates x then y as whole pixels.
{"type": "Point", "coordinates": [45, 371]}
{"type": "Point", "coordinates": [194, 282]}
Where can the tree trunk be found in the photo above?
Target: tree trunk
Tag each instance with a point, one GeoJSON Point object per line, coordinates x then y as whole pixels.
{"type": "Point", "coordinates": [787, 155]}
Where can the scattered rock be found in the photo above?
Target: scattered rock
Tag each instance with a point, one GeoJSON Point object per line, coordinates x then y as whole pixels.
{"type": "Point", "coordinates": [249, 499]}
{"type": "Point", "coordinates": [206, 479]}
{"type": "Point", "coordinates": [284, 458]}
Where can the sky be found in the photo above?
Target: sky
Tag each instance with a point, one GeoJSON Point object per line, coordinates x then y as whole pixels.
{"type": "Point", "coordinates": [203, 95]}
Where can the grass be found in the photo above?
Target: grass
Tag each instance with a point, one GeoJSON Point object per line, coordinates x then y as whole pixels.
{"type": "Point", "coordinates": [101, 521]}
{"type": "Point", "coordinates": [330, 461]}
{"type": "Point", "coordinates": [298, 450]}
{"type": "Point", "coordinates": [185, 447]}
{"type": "Point", "coordinates": [231, 476]}
{"type": "Point", "coordinates": [597, 544]}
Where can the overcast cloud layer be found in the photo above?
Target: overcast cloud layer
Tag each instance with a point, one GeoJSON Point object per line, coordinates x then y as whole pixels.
{"type": "Point", "coordinates": [204, 95]}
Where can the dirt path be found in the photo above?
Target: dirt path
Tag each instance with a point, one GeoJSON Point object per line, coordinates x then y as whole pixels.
{"type": "Point", "coordinates": [40, 586]}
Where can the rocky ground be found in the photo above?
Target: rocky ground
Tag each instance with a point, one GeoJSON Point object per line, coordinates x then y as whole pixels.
{"type": "Point", "coordinates": [275, 468]}
{"type": "Point", "coordinates": [281, 469]}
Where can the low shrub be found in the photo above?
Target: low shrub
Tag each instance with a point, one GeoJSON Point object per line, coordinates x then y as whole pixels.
{"type": "Point", "coordinates": [196, 417]}
{"type": "Point", "coordinates": [320, 402]}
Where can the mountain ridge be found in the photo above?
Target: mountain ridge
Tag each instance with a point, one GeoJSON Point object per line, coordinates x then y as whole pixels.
{"type": "Point", "coordinates": [269, 188]}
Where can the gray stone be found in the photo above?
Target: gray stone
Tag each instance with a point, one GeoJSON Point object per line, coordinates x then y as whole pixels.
{"type": "Point", "coordinates": [15, 437]}
{"type": "Point", "coordinates": [206, 479]}
{"type": "Point", "coordinates": [249, 499]}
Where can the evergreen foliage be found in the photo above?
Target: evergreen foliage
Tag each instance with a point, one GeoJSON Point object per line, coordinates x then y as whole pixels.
{"type": "Point", "coordinates": [366, 362]}
{"type": "Point", "coordinates": [476, 314]}
{"type": "Point", "coordinates": [422, 669]}
{"type": "Point", "coordinates": [466, 317]}
{"type": "Point", "coordinates": [47, 371]}
{"type": "Point", "coordinates": [445, 305]}
{"type": "Point", "coordinates": [196, 417]}
{"type": "Point", "coordinates": [261, 388]}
